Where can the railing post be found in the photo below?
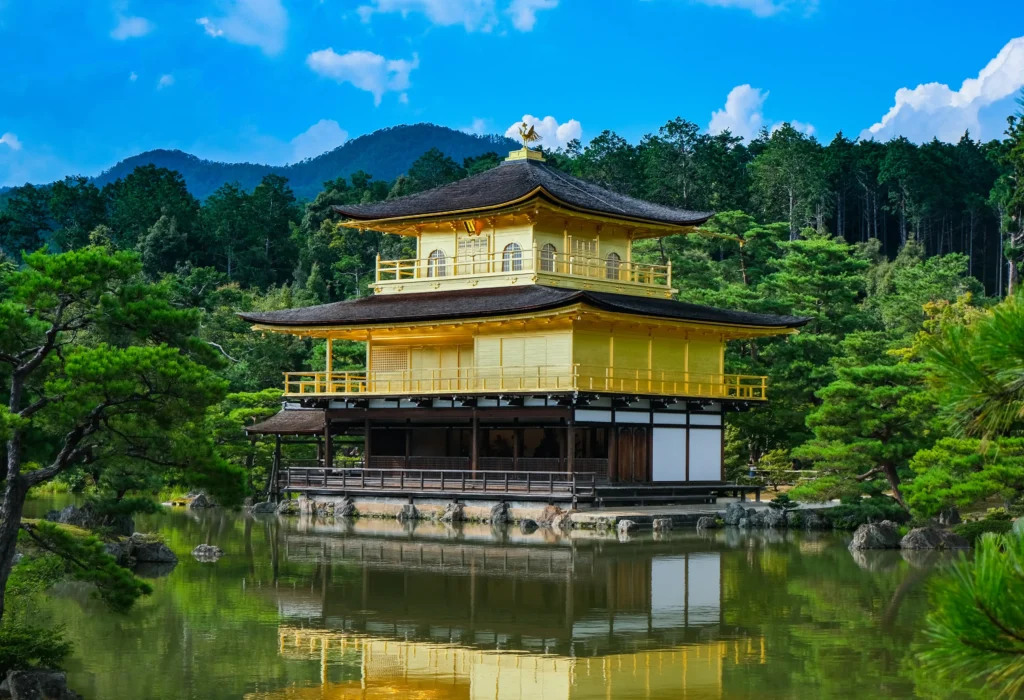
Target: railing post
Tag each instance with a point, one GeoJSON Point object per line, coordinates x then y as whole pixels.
{"type": "Point", "coordinates": [442, 479]}
{"type": "Point", "coordinates": [506, 482]}
{"type": "Point", "coordinates": [670, 272]}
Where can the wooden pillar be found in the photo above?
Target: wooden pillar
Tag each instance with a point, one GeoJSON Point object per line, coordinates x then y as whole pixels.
{"type": "Point", "coordinates": [408, 443]}
{"type": "Point", "coordinates": [613, 451]}
{"type": "Point", "coordinates": [570, 459]}
{"type": "Point", "coordinates": [517, 435]}
{"type": "Point", "coordinates": [273, 488]}
{"type": "Point", "coordinates": [366, 443]}
{"type": "Point", "coordinates": [474, 452]}
{"type": "Point", "coordinates": [562, 462]}
{"type": "Point", "coordinates": [328, 447]}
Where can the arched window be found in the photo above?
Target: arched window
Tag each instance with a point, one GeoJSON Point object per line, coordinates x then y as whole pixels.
{"type": "Point", "coordinates": [436, 266]}
{"type": "Point", "coordinates": [512, 258]}
{"type": "Point", "coordinates": [547, 258]}
{"type": "Point", "coordinates": [611, 269]}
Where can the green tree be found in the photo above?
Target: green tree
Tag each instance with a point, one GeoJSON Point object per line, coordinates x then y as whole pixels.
{"type": "Point", "coordinates": [274, 213]}
{"type": "Point", "coordinates": [976, 627]}
{"type": "Point", "coordinates": [788, 179]}
{"type": "Point", "coordinates": [162, 247]}
{"type": "Point", "coordinates": [77, 207]}
{"type": "Point", "coordinates": [25, 221]}
{"type": "Point", "coordinates": [138, 201]}
{"type": "Point", "coordinates": [871, 421]}
{"type": "Point", "coordinates": [99, 370]}
{"type": "Point", "coordinates": [964, 471]}
{"type": "Point", "coordinates": [433, 169]}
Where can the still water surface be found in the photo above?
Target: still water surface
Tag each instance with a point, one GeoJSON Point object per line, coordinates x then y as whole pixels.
{"type": "Point", "coordinates": [297, 609]}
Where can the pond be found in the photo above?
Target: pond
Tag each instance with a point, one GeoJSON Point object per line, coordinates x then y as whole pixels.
{"type": "Point", "coordinates": [371, 609]}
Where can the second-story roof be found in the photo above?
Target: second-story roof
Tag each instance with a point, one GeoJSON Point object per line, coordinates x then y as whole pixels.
{"type": "Point", "coordinates": [499, 301]}
{"type": "Point", "coordinates": [517, 181]}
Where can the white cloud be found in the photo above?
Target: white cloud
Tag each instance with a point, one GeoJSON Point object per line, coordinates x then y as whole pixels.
{"type": "Point", "coordinates": [11, 141]}
{"type": "Point", "coordinates": [552, 134]}
{"type": "Point", "coordinates": [471, 14]}
{"type": "Point", "coordinates": [365, 70]}
{"type": "Point", "coordinates": [262, 23]}
{"type": "Point", "coordinates": [323, 136]}
{"type": "Point", "coordinates": [743, 115]}
{"type": "Point", "coordinates": [133, 76]}
{"type": "Point", "coordinates": [131, 27]}
{"type": "Point", "coordinates": [933, 110]}
{"type": "Point", "coordinates": [524, 12]}
{"type": "Point", "coordinates": [478, 127]}
{"type": "Point", "coordinates": [766, 8]}
{"type": "Point", "coordinates": [166, 80]}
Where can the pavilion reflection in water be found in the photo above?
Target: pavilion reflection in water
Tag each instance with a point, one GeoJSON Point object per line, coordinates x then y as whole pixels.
{"type": "Point", "coordinates": [426, 617]}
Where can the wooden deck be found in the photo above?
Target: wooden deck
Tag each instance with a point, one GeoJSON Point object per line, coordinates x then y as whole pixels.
{"type": "Point", "coordinates": [550, 486]}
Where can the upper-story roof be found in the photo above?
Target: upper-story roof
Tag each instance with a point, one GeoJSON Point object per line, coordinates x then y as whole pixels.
{"type": "Point", "coordinates": [516, 181]}
{"type": "Point", "coordinates": [482, 303]}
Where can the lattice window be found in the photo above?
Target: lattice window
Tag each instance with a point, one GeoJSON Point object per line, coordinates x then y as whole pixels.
{"type": "Point", "coordinates": [612, 264]}
{"type": "Point", "coordinates": [582, 248]}
{"type": "Point", "coordinates": [547, 258]}
{"type": "Point", "coordinates": [512, 258]}
{"type": "Point", "coordinates": [385, 359]}
{"type": "Point", "coordinates": [436, 266]}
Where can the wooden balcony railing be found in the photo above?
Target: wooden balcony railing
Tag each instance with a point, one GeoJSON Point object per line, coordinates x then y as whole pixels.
{"type": "Point", "coordinates": [608, 269]}
{"type": "Point", "coordinates": [552, 378]}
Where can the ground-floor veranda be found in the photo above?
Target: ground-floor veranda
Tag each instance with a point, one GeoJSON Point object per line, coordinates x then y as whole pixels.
{"type": "Point", "coordinates": [560, 448]}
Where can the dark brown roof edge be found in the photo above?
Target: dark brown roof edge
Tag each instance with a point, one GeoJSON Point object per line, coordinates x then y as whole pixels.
{"type": "Point", "coordinates": [290, 421]}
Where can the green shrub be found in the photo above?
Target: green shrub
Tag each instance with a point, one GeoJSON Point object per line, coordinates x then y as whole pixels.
{"type": "Point", "coordinates": [854, 512]}
{"type": "Point", "coordinates": [783, 502]}
{"type": "Point", "coordinates": [23, 646]}
{"type": "Point", "coordinates": [974, 529]}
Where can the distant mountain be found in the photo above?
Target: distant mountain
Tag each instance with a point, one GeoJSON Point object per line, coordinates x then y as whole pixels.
{"type": "Point", "coordinates": [384, 154]}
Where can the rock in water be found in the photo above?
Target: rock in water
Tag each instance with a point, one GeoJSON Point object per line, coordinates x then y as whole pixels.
{"type": "Point", "coordinates": [706, 523]}
{"type": "Point", "coordinates": [774, 518]}
{"type": "Point", "coordinates": [499, 513]}
{"type": "Point", "coordinates": [148, 550]}
{"type": "Point", "coordinates": [562, 522]}
{"type": "Point", "coordinates": [199, 501]}
{"type": "Point", "coordinates": [347, 510]}
{"type": "Point", "coordinates": [207, 553]}
{"type": "Point", "coordinates": [121, 551]}
{"type": "Point", "coordinates": [86, 517]}
{"type": "Point", "coordinates": [263, 508]}
{"type": "Point", "coordinates": [453, 512]}
{"type": "Point", "coordinates": [408, 513]}
{"type": "Point", "coordinates": [625, 527]}
{"type": "Point", "coordinates": [527, 526]}
{"type": "Point", "coordinates": [665, 524]}
{"type": "Point", "coordinates": [38, 684]}
{"type": "Point", "coordinates": [883, 535]}
{"type": "Point", "coordinates": [734, 512]}
{"type": "Point", "coordinates": [288, 507]}
{"type": "Point", "coordinates": [933, 538]}
{"type": "Point", "coordinates": [548, 515]}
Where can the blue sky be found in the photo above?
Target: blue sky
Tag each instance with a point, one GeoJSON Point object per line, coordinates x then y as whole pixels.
{"type": "Point", "coordinates": [88, 83]}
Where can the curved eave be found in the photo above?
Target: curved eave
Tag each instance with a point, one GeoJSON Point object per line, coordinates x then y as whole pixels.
{"type": "Point", "coordinates": [324, 329]}
{"type": "Point", "coordinates": [668, 227]}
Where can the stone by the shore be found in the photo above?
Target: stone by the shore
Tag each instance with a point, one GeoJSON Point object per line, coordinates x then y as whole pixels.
{"type": "Point", "coordinates": [548, 515]}
{"type": "Point", "coordinates": [499, 513]}
{"type": "Point", "coordinates": [263, 508]}
{"type": "Point", "coordinates": [454, 512]}
{"type": "Point", "coordinates": [664, 524]}
{"type": "Point", "coordinates": [528, 526]}
{"type": "Point", "coordinates": [198, 500]}
{"type": "Point", "coordinates": [625, 527]}
{"type": "Point", "coordinates": [207, 553]}
{"type": "Point", "coordinates": [707, 523]}
{"type": "Point", "coordinates": [933, 538]}
{"type": "Point", "coordinates": [883, 535]}
{"type": "Point", "coordinates": [37, 684]}
{"type": "Point", "coordinates": [734, 512]}
{"type": "Point", "coordinates": [407, 513]}
{"type": "Point", "coordinates": [148, 550]}
{"type": "Point", "coordinates": [773, 518]}
{"type": "Point", "coordinates": [86, 517]}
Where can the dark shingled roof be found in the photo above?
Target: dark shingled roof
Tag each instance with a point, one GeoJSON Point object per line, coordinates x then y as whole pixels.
{"type": "Point", "coordinates": [470, 303]}
{"type": "Point", "coordinates": [291, 421]}
{"type": "Point", "coordinates": [513, 180]}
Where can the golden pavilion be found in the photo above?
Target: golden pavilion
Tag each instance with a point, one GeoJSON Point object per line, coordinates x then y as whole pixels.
{"type": "Point", "coordinates": [522, 354]}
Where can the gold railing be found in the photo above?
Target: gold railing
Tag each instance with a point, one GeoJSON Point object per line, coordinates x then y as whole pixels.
{"type": "Point", "coordinates": [524, 261]}
{"type": "Point", "coordinates": [576, 377]}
